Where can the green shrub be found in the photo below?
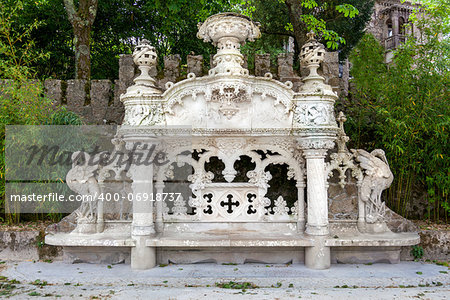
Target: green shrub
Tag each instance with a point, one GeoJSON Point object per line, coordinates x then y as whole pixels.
{"type": "Point", "coordinates": [22, 99]}
{"type": "Point", "coordinates": [417, 252]}
{"type": "Point", "coordinates": [404, 108]}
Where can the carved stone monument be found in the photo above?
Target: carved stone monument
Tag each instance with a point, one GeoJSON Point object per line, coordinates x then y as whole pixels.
{"type": "Point", "coordinates": [226, 216]}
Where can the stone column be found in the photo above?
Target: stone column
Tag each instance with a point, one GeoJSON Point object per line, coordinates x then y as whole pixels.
{"type": "Point", "coordinates": [361, 211]}
{"type": "Point", "coordinates": [317, 222]}
{"type": "Point", "coordinates": [159, 207]}
{"type": "Point", "coordinates": [314, 145]}
{"type": "Point", "coordinates": [100, 210]}
{"type": "Point", "coordinates": [318, 256]}
{"type": "Point", "coordinates": [142, 226]}
{"type": "Point", "coordinates": [301, 206]}
{"type": "Point", "coordinates": [395, 28]}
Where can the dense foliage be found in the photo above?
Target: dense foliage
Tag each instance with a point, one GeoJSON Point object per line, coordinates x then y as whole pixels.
{"type": "Point", "coordinates": [22, 100]}
{"type": "Point", "coordinates": [404, 108]}
{"type": "Point", "coordinates": [171, 26]}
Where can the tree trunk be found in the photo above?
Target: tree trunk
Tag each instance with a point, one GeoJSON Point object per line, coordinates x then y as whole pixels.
{"type": "Point", "coordinates": [295, 11]}
{"type": "Point", "coordinates": [82, 20]}
{"type": "Point", "coordinates": [82, 53]}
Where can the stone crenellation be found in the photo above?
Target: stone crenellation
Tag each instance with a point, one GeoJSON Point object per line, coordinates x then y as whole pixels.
{"type": "Point", "coordinates": [98, 101]}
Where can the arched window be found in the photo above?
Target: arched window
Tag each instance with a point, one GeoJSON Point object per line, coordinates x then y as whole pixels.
{"type": "Point", "coordinates": [401, 26]}
{"type": "Point", "coordinates": [389, 28]}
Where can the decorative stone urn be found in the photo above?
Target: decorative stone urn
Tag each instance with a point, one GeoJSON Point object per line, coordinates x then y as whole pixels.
{"type": "Point", "coordinates": [228, 31]}
{"type": "Point", "coordinates": [145, 57]}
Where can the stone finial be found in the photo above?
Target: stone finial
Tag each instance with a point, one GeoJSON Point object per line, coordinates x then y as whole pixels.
{"type": "Point", "coordinates": [312, 54]}
{"type": "Point", "coordinates": [145, 57]}
{"type": "Point", "coordinates": [228, 31]}
{"type": "Point", "coordinates": [342, 137]}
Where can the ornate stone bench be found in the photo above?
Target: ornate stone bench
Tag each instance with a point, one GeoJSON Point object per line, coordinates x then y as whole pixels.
{"type": "Point", "coordinates": [229, 115]}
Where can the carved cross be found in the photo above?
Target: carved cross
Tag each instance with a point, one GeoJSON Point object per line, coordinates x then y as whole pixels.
{"type": "Point", "coordinates": [229, 203]}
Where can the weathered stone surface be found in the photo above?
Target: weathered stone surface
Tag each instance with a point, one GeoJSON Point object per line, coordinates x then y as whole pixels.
{"type": "Point", "coordinates": [234, 255]}
{"type": "Point", "coordinates": [172, 67]}
{"type": "Point", "coordinates": [342, 202]}
{"type": "Point", "coordinates": [17, 245]}
{"type": "Point", "coordinates": [345, 78]}
{"type": "Point", "coordinates": [66, 225]}
{"type": "Point", "coordinates": [53, 90]}
{"type": "Point", "coordinates": [26, 245]}
{"type": "Point", "coordinates": [330, 69]}
{"type": "Point", "coordinates": [171, 70]}
{"type": "Point", "coordinates": [76, 95]}
{"type": "Point", "coordinates": [101, 93]}
{"type": "Point", "coordinates": [435, 244]}
{"type": "Point", "coordinates": [286, 71]}
{"type": "Point", "coordinates": [360, 255]}
{"type": "Point", "coordinates": [262, 64]}
{"type": "Point", "coordinates": [99, 255]}
{"type": "Point", "coordinates": [126, 69]}
{"type": "Point", "coordinates": [195, 64]}
{"type": "Point", "coordinates": [397, 223]}
{"type": "Point", "coordinates": [285, 65]}
{"type": "Point", "coordinates": [115, 112]}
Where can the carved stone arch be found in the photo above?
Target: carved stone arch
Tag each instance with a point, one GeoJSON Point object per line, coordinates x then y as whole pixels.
{"type": "Point", "coordinates": [341, 162]}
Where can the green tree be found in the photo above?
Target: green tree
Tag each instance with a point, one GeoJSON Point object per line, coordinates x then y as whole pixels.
{"type": "Point", "coordinates": [336, 23]}
{"type": "Point", "coordinates": [333, 21]}
{"type": "Point", "coordinates": [405, 108]}
{"type": "Point", "coordinates": [170, 25]}
{"type": "Point", "coordinates": [82, 17]}
{"type": "Point", "coordinates": [22, 100]}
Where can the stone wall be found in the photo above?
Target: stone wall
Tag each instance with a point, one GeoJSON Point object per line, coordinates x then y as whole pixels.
{"type": "Point", "coordinates": [435, 244]}
{"type": "Point", "coordinates": [26, 245]}
{"type": "Point", "coordinates": [98, 101]}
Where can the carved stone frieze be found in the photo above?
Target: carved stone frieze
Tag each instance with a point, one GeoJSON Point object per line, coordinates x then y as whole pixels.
{"type": "Point", "coordinates": [315, 144]}
{"type": "Point", "coordinates": [145, 115]}
{"type": "Point", "coordinates": [314, 114]}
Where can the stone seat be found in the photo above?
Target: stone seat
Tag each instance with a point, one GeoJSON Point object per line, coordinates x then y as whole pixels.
{"type": "Point", "coordinates": [193, 247]}
{"type": "Point", "coordinates": [388, 239]}
{"type": "Point", "coordinates": [230, 240]}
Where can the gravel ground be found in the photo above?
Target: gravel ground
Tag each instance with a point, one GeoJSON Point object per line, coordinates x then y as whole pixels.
{"type": "Point", "coordinates": [57, 280]}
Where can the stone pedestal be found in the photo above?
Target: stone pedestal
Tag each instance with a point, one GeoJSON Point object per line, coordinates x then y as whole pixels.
{"type": "Point", "coordinates": [318, 257]}
{"type": "Point", "coordinates": [142, 256]}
